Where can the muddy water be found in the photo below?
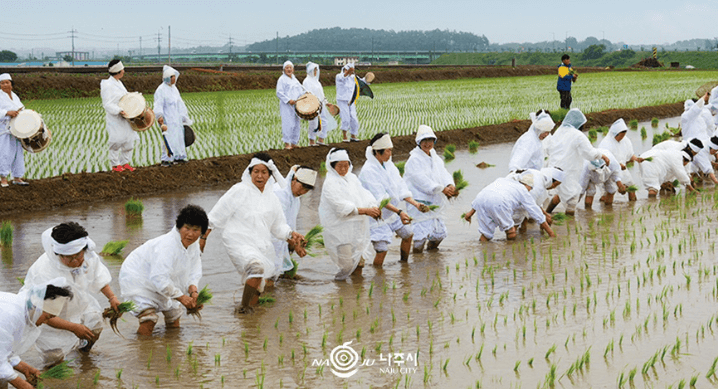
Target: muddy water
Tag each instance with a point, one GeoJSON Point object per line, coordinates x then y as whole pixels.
{"type": "Point", "coordinates": [617, 286]}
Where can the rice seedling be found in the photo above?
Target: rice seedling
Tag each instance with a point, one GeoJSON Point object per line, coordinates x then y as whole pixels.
{"type": "Point", "coordinates": [6, 231]}
{"type": "Point", "coordinates": [62, 371]}
{"type": "Point", "coordinates": [644, 133]}
{"type": "Point", "coordinates": [21, 280]}
{"type": "Point", "coordinates": [654, 122]}
{"type": "Point", "coordinates": [633, 124]}
{"type": "Point", "coordinates": [114, 247]}
{"type": "Point", "coordinates": [384, 202]}
{"type": "Point", "coordinates": [400, 165]}
{"type": "Point", "coordinates": [134, 207]}
{"type": "Point", "coordinates": [203, 297]}
{"type": "Point", "coordinates": [473, 146]}
{"type": "Point", "coordinates": [592, 135]}
{"type": "Point", "coordinates": [448, 155]}
{"type": "Point", "coordinates": [558, 114]}
{"type": "Point", "coordinates": [109, 313]}
{"type": "Point", "coordinates": [323, 167]}
{"type": "Point", "coordinates": [631, 189]}
{"type": "Point", "coordinates": [313, 239]}
{"type": "Point", "coordinates": [459, 182]}
{"type": "Point", "coordinates": [559, 218]}
{"type": "Point", "coordinates": [267, 300]}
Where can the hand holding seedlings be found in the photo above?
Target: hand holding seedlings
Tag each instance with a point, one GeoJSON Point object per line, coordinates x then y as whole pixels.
{"type": "Point", "coordinates": [374, 212]}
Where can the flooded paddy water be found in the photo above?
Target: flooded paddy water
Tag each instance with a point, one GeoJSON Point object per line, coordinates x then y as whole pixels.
{"type": "Point", "coordinates": [624, 294]}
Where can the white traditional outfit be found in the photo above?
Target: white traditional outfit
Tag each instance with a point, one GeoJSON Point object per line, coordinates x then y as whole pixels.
{"type": "Point", "coordinates": [623, 150]}
{"type": "Point", "coordinates": [290, 207]}
{"type": "Point", "coordinates": [289, 88]}
{"type": "Point", "coordinates": [426, 177]}
{"type": "Point", "coordinates": [324, 122]}
{"type": "Point", "coordinates": [384, 181]}
{"type": "Point", "coordinates": [496, 203]}
{"type": "Point", "coordinates": [697, 122]}
{"type": "Point", "coordinates": [155, 274]}
{"type": "Point", "coordinates": [85, 282]}
{"type": "Point", "coordinates": [568, 146]}
{"type": "Point", "coordinates": [18, 331]}
{"type": "Point", "coordinates": [666, 166]}
{"type": "Point", "coordinates": [249, 218]}
{"type": "Point", "coordinates": [346, 232]}
{"type": "Point", "coordinates": [169, 105]}
{"type": "Point", "coordinates": [596, 174]}
{"type": "Point", "coordinates": [543, 179]}
{"type": "Point", "coordinates": [121, 136]}
{"type": "Point", "coordinates": [528, 152]}
{"type": "Point", "coordinates": [12, 161]}
{"type": "Point", "coordinates": [347, 95]}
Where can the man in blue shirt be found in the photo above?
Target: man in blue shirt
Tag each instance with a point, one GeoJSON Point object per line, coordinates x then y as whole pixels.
{"type": "Point", "coordinates": [566, 76]}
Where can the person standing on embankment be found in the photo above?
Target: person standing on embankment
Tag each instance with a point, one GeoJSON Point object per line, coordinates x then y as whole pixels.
{"type": "Point", "coordinates": [566, 76]}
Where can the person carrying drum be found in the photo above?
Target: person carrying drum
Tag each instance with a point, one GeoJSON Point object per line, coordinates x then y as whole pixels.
{"type": "Point", "coordinates": [171, 113]}
{"type": "Point", "coordinates": [288, 90]}
{"type": "Point", "coordinates": [122, 137]}
{"type": "Point", "coordinates": [12, 160]}
{"type": "Point", "coordinates": [347, 95]}
{"type": "Point", "coordinates": [322, 124]}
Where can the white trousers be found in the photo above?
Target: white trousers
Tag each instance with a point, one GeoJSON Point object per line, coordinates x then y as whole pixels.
{"type": "Point", "coordinates": [348, 114]}
{"type": "Point", "coordinates": [121, 153]}
{"type": "Point", "coordinates": [11, 158]}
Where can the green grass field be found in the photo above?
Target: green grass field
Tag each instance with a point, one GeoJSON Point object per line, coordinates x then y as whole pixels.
{"type": "Point", "coordinates": [228, 123]}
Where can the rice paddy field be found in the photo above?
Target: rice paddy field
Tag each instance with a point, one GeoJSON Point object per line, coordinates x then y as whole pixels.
{"type": "Point", "coordinates": [624, 297]}
{"type": "Point", "coordinates": [228, 123]}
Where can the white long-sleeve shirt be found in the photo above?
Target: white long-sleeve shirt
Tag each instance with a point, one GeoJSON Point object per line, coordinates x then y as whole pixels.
{"type": "Point", "coordinates": [8, 104]}
{"type": "Point", "coordinates": [118, 128]}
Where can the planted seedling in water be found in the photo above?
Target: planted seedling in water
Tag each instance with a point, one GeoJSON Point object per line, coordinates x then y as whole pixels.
{"type": "Point", "coordinates": [134, 207]}
{"type": "Point", "coordinates": [114, 247]}
{"type": "Point", "coordinates": [6, 231]}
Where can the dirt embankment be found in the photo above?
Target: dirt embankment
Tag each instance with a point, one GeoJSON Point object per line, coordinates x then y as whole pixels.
{"type": "Point", "coordinates": [70, 189]}
{"type": "Point", "coordinates": [50, 85]}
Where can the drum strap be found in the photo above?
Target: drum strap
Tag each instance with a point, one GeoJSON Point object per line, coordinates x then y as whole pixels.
{"type": "Point", "coordinates": [356, 91]}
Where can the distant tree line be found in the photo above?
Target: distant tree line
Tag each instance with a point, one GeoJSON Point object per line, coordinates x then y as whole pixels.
{"type": "Point", "coordinates": [7, 56]}
{"type": "Point", "coordinates": [356, 39]}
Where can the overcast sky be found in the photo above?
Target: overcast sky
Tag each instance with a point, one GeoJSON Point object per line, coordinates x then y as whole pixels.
{"type": "Point", "coordinates": [101, 24]}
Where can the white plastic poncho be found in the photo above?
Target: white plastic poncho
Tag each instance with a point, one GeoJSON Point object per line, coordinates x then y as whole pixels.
{"type": "Point", "coordinates": [345, 231]}
{"type": "Point", "coordinates": [623, 150]}
{"type": "Point", "coordinates": [169, 105]}
{"type": "Point", "coordinates": [383, 181]}
{"type": "Point", "coordinates": [528, 152]}
{"type": "Point", "coordinates": [345, 84]}
{"type": "Point", "coordinates": [426, 177]}
{"type": "Point", "coordinates": [12, 160]}
{"type": "Point", "coordinates": [159, 271]}
{"type": "Point", "coordinates": [496, 203]}
{"type": "Point", "coordinates": [18, 331]}
{"type": "Point", "coordinates": [249, 219]}
{"type": "Point", "coordinates": [697, 122]}
{"type": "Point", "coordinates": [666, 166]}
{"type": "Point", "coordinates": [118, 128]}
{"type": "Point", "coordinates": [312, 85]}
{"type": "Point", "coordinates": [568, 146]}
{"type": "Point", "coordinates": [290, 207]}
{"type": "Point", "coordinates": [713, 104]}
{"type": "Point", "coordinates": [543, 179]}
{"type": "Point", "coordinates": [85, 282]}
{"type": "Point", "coordinates": [289, 88]}
{"type": "Point", "coordinates": [346, 87]}
{"type": "Point", "coordinates": [597, 174]}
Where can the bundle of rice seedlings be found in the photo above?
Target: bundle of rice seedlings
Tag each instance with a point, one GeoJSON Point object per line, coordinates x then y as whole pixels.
{"type": "Point", "coordinates": [448, 155]}
{"type": "Point", "coordinates": [113, 315]}
{"type": "Point", "coordinates": [451, 148]}
{"type": "Point", "coordinates": [603, 130]}
{"type": "Point", "coordinates": [134, 207]}
{"type": "Point", "coordinates": [559, 218]}
{"type": "Point", "coordinates": [21, 280]}
{"type": "Point", "coordinates": [323, 167]}
{"type": "Point", "coordinates": [459, 182]}
{"type": "Point", "coordinates": [654, 122]}
{"type": "Point", "coordinates": [632, 189]}
{"type": "Point", "coordinates": [633, 124]}
{"type": "Point", "coordinates": [644, 134]}
{"type": "Point", "coordinates": [592, 135]}
{"type": "Point", "coordinates": [114, 247]}
{"type": "Point", "coordinates": [292, 273]}
{"type": "Point", "coordinates": [473, 146]}
{"type": "Point", "coordinates": [267, 300]}
{"type": "Point", "coordinates": [204, 297]}
{"type": "Point", "coordinates": [400, 165]}
{"type": "Point", "coordinates": [58, 372]}
{"type": "Point", "coordinates": [433, 207]}
{"type": "Point", "coordinates": [6, 230]}
{"type": "Point", "coordinates": [649, 159]}
{"type": "Point", "coordinates": [384, 202]}
{"type": "Point", "coordinates": [559, 114]}
{"type": "Point", "coordinates": [312, 239]}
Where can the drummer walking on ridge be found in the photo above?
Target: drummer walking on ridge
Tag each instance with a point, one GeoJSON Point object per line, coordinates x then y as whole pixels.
{"type": "Point", "coordinates": [288, 91]}
{"type": "Point", "coordinates": [347, 95]}
{"type": "Point", "coordinates": [11, 157]}
{"type": "Point", "coordinates": [122, 137]}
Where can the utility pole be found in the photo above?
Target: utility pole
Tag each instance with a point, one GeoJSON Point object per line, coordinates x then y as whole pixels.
{"type": "Point", "coordinates": [230, 46]}
{"type": "Point", "coordinates": [277, 56]}
{"type": "Point", "coordinates": [140, 47]}
{"type": "Point", "coordinates": [73, 32]}
{"type": "Point", "coordinates": [169, 45]}
{"type": "Point", "coordinates": [159, 39]}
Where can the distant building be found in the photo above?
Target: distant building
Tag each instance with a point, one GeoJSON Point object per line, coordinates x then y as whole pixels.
{"type": "Point", "coordinates": [341, 61]}
{"type": "Point", "coordinates": [79, 55]}
{"type": "Point", "coordinates": [393, 63]}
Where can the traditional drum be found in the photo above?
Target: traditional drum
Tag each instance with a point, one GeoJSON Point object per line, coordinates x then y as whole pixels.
{"type": "Point", "coordinates": [137, 113]}
{"type": "Point", "coordinates": [308, 106]}
{"type": "Point", "coordinates": [30, 129]}
{"type": "Point", "coordinates": [188, 136]}
{"type": "Point", "coordinates": [333, 109]}
{"type": "Point", "coordinates": [369, 77]}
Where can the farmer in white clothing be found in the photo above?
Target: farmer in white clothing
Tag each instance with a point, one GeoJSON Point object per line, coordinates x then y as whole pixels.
{"type": "Point", "coordinates": [171, 112]}
{"type": "Point", "coordinates": [22, 315]}
{"type": "Point", "coordinates": [162, 275]}
{"type": "Point", "coordinates": [597, 174]}
{"type": "Point", "coordinates": [430, 184]}
{"type": "Point", "coordinates": [664, 166]}
{"type": "Point", "coordinates": [347, 95]}
{"type": "Point", "coordinates": [299, 181]}
{"type": "Point", "coordinates": [122, 137]}
{"type": "Point", "coordinates": [288, 91]}
{"type": "Point", "coordinates": [324, 122]}
{"type": "Point", "coordinates": [495, 205]}
{"type": "Point", "coordinates": [528, 150]}
{"type": "Point", "coordinates": [344, 211]}
{"type": "Point", "coordinates": [568, 146]}
{"type": "Point", "coordinates": [70, 253]}
{"type": "Point", "coordinates": [381, 177]}
{"type": "Point", "coordinates": [621, 147]}
{"type": "Point", "coordinates": [697, 122]}
{"type": "Point", "coordinates": [12, 161]}
{"type": "Point", "coordinates": [544, 180]}
{"type": "Point", "coordinates": [249, 215]}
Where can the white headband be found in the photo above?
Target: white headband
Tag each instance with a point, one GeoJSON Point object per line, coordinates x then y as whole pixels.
{"type": "Point", "coordinates": [527, 179]}
{"type": "Point", "coordinates": [73, 247]}
{"type": "Point", "coordinates": [712, 144]}
{"type": "Point", "coordinates": [270, 165]}
{"type": "Point", "coordinates": [694, 147]}
{"type": "Point", "coordinates": [54, 306]}
{"type": "Point", "coordinates": [306, 176]}
{"type": "Point", "coordinates": [5, 76]}
{"type": "Point", "coordinates": [116, 68]}
{"type": "Point", "coordinates": [686, 156]}
{"type": "Point", "coordinates": [339, 155]}
{"type": "Point", "coordinates": [287, 63]}
{"type": "Point", "coordinates": [383, 143]}
{"type": "Point", "coordinates": [544, 123]}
